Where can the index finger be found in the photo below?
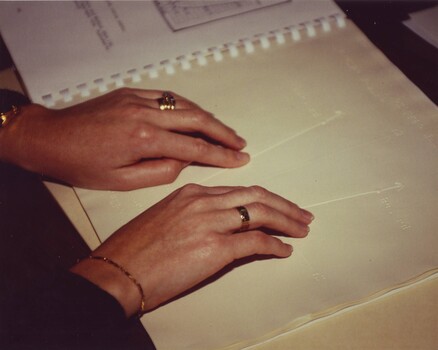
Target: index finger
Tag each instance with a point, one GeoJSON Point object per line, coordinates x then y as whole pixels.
{"type": "Point", "coordinates": [192, 149]}
{"type": "Point", "coordinates": [200, 121]}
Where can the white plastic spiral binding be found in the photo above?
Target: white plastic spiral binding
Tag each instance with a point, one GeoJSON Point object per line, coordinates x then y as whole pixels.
{"type": "Point", "coordinates": [134, 75]}
{"type": "Point", "coordinates": [118, 80]}
{"type": "Point", "coordinates": [279, 37]}
{"type": "Point", "coordinates": [325, 24]}
{"type": "Point", "coordinates": [295, 33]}
{"type": "Point", "coordinates": [248, 45]}
{"type": "Point", "coordinates": [264, 41]}
{"type": "Point", "coordinates": [48, 100]}
{"type": "Point", "coordinates": [310, 29]}
{"type": "Point", "coordinates": [168, 66]}
{"type": "Point", "coordinates": [200, 58]}
{"type": "Point", "coordinates": [217, 54]}
{"type": "Point", "coordinates": [340, 21]}
{"type": "Point", "coordinates": [185, 62]}
{"type": "Point", "coordinates": [102, 86]}
{"type": "Point", "coordinates": [83, 90]}
{"type": "Point", "coordinates": [66, 95]}
{"type": "Point", "coordinates": [232, 49]}
{"type": "Point", "coordinates": [151, 71]}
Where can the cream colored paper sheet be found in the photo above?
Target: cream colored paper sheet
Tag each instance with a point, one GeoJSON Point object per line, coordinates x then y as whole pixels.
{"type": "Point", "coordinates": [335, 127]}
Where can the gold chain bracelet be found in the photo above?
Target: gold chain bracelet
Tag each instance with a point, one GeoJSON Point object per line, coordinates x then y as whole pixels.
{"type": "Point", "coordinates": [6, 117]}
{"type": "Point", "coordinates": [142, 308]}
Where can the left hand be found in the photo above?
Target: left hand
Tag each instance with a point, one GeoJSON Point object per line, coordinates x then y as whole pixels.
{"type": "Point", "coordinates": [187, 237]}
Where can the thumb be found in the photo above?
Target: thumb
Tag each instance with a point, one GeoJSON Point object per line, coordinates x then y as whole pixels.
{"type": "Point", "coordinates": [148, 173]}
{"type": "Point", "coordinates": [256, 242]}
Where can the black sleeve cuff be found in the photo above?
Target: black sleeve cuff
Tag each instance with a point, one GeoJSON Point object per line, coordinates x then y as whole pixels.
{"type": "Point", "coordinates": [71, 313]}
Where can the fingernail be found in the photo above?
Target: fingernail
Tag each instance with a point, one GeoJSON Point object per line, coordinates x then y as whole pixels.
{"type": "Point", "coordinates": [242, 156]}
{"type": "Point", "coordinates": [303, 230]}
{"type": "Point", "coordinates": [242, 142]}
{"type": "Point", "coordinates": [308, 215]}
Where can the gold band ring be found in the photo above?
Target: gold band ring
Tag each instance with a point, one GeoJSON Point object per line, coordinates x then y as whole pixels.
{"type": "Point", "coordinates": [244, 216]}
{"type": "Point", "coordinates": [166, 102]}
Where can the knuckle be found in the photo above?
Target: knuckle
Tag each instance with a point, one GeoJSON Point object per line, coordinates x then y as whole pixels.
{"type": "Point", "coordinates": [214, 243]}
{"type": "Point", "coordinates": [131, 110]}
{"type": "Point", "coordinates": [170, 172]}
{"type": "Point", "coordinates": [123, 91]}
{"type": "Point", "coordinates": [261, 209]}
{"type": "Point", "coordinates": [143, 132]}
{"type": "Point", "coordinates": [191, 188]}
{"type": "Point", "coordinates": [201, 202]}
{"type": "Point", "coordinates": [259, 192]}
{"type": "Point", "coordinates": [126, 98]}
{"type": "Point", "coordinates": [201, 147]}
{"type": "Point", "coordinates": [198, 117]}
{"type": "Point", "coordinates": [259, 238]}
{"type": "Point", "coordinates": [196, 204]}
{"type": "Point", "coordinates": [195, 198]}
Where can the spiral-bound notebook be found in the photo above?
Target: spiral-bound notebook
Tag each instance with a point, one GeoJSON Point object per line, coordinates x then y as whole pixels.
{"type": "Point", "coordinates": [103, 44]}
{"type": "Point", "coordinates": [331, 124]}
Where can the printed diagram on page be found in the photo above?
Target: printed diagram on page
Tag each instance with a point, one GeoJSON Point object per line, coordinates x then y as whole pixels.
{"type": "Point", "coordinates": [184, 14]}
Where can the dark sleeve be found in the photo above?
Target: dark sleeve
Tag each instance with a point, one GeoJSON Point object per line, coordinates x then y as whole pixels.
{"type": "Point", "coordinates": [42, 305]}
{"type": "Point", "coordinates": [68, 313]}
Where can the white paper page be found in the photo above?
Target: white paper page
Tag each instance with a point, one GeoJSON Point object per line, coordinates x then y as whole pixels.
{"type": "Point", "coordinates": [65, 48]}
{"type": "Point", "coordinates": [332, 125]}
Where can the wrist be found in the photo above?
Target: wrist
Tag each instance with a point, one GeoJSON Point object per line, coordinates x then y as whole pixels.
{"type": "Point", "coordinates": [10, 110]}
{"type": "Point", "coordinates": [8, 98]}
{"type": "Point", "coordinates": [113, 280]}
{"type": "Point", "coordinates": [5, 117]}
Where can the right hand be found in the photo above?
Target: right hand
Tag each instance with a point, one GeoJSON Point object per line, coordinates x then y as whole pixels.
{"type": "Point", "coordinates": [119, 141]}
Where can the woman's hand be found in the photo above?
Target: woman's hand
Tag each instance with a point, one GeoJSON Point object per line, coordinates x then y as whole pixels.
{"type": "Point", "coordinates": [119, 141]}
{"type": "Point", "coordinates": [189, 236]}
